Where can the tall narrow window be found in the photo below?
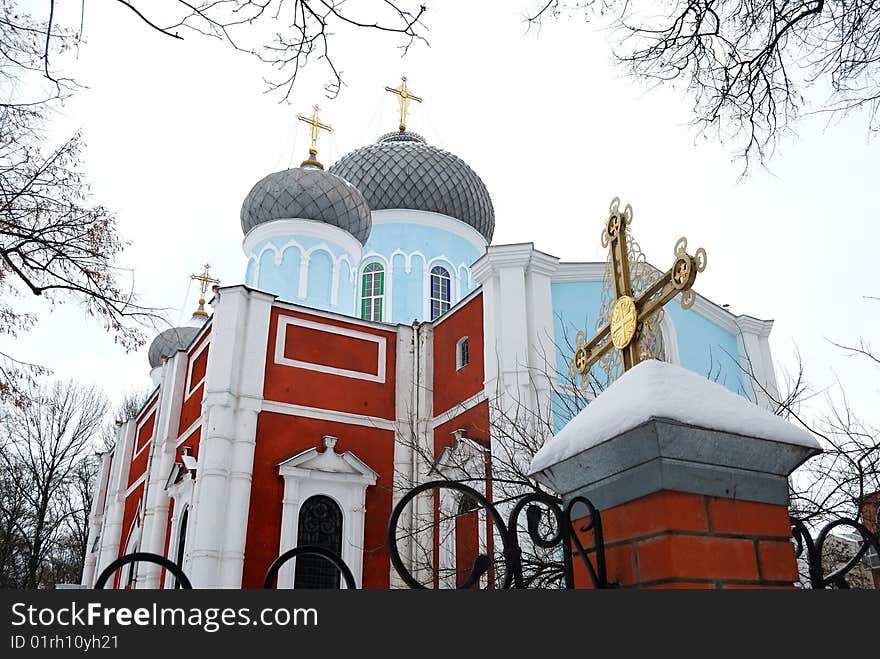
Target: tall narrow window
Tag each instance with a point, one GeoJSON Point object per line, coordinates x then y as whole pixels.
{"type": "Point", "coordinates": [320, 523]}
{"type": "Point", "coordinates": [440, 284]}
{"type": "Point", "coordinates": [372, 292]}
{"type": "Point", "coordinates": [462, 353]}
{"type": "Point", "coordinates": [181, 542]}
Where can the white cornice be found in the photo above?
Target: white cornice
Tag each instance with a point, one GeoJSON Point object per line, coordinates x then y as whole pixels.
{"type": "Point", "coordinates": [522, 255]}
{"type": "Point", "coordinates": [301, 228]}
{"type": "Point", "coordinates": [576, 272]}
{"type": "Point", "coordinates": [292, 409]}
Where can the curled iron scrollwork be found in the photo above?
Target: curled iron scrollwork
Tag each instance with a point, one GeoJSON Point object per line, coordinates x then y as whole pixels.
{"type": "Point", "coordinates": [561, 535]}
{"type": "Point", "coordinates": [811, 551]}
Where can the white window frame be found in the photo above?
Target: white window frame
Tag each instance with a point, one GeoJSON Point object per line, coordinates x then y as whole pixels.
{"type": "Point", "coordinates": [341, 477]}
{"type": "Point", "coordinates": [380, 271]}
{"type": "Point", "coordinates": [460, 361]}
{"type": "Point", "coordinates": [431, 299]}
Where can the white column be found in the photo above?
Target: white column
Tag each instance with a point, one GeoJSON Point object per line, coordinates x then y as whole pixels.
{"type": "Point", "coordinates": [111, 533]}
{"type": "Point", "coordinates": [96, 518]}
{"type": "Point", "coordinates": [233, 396]}
{"type": "Point", "coordinates": [404, 440]}
{"type": "Point", "coordinates": [160, 462]}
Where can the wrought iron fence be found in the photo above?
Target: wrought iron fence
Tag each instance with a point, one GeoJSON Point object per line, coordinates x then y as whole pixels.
{"type": "Point", "coordinates": [549, 525]}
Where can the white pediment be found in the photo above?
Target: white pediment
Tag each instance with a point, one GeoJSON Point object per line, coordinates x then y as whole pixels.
{"type": "Point", "coordinates": [312, 463]}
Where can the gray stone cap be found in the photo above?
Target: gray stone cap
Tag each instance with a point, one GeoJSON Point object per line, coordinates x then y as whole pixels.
{"type": "Point", "coordinates": [657, 390]}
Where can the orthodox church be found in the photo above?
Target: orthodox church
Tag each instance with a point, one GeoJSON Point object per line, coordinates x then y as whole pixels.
{"type": "Point", "coordinates": [377, 334]}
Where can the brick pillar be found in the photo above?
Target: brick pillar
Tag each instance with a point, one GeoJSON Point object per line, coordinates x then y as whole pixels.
{"type": "Point", "coordinates": [691, 481]}
{"type": "Point", "coordinates": [681, 540]}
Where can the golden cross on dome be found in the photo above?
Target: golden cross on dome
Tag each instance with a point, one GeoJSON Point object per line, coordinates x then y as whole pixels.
{"type": "Point", "coordinates": [204, 280]}
{"type": "Point", "coordinates": [405, 98]}
{"type": "Point", "coordinates": [628, 313]}
{"type": "Point", "coordinates": [316, 126]}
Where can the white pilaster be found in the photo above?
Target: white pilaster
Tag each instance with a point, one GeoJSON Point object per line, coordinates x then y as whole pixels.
{"type": "Point", "coordinates": [232, 400]}
{"type": "Point", "coordinates": [111, 533]}
{"type": "Point", "coordinates": [161, 460]}
{"type": "Point", "coordinates": [96, 518]}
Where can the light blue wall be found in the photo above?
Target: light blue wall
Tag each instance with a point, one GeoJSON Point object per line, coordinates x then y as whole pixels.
{"type": "Point", "coordinates": [703, 346]}
{"type": "Point", "coordinates": [282, 279]}
{"type": "Point", "coordinates": [423, 245]}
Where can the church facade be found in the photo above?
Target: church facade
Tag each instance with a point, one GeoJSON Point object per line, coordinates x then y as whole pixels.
{"type": "Point", "coordinates": [377, 332]}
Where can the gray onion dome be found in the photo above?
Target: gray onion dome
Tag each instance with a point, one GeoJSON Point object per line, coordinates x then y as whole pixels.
{"type": "Point", "coordinates": [169, 342]}
{"type": "Point", "coordinates": [307, 193]}
{"type": "Point", "coordinates": [402, 171]}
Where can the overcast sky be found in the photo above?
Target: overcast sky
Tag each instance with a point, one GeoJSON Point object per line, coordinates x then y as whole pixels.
{"type": "Point", "coordinates": [178, 132]}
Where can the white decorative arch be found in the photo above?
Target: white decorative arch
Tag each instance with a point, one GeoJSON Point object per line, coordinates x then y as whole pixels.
{"type": "Point", "coordinates": [342, 477]}
{"type": "Point", "coordinates": [670, 339]}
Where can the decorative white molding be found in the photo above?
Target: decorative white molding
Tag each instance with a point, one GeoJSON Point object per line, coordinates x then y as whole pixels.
{"type": "Point", "coordinates": [280, 337]}
{"type": "Point", "coordinates": [137, 431]}
{"type": "Point", "coordinates": [458, 408]}
{"type": "Point", "coordinates": [302, 228]}
{"type": "Point", "coordinates": [433, 221]}
{"type": "Point", "coordinates": [344, 478]}
{"type": "Point", "coordinates": [195, 425]}
{"type": "Point", "coordinates": [292, 409]}
{"type": "Point", "coordinates": [190, 386]}
{"type": "Point", "coordinates": [578, 272]}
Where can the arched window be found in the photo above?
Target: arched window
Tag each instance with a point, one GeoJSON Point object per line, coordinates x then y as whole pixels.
{"type": "Point", "coordinates": [181, 541]}
{"type": "Point", "coordinates": [440, 285]}
{"type": "Point", "coordinates": [320, 523]}
{"type": "Point", "coordinates": [462, 353]}
{"type": "Point", "coordinates": [372, 292]}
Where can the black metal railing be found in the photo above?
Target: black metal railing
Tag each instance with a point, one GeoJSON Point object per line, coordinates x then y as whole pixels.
{"type": "Point", "coordinates": [551, 527]}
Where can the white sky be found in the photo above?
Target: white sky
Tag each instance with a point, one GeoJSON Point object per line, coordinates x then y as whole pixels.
{"type": "Point", "coordinates": [178, 132]}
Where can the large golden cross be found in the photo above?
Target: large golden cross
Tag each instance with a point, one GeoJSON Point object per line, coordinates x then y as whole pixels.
{"type": "Point", "coordinates": [628, 313]}
{"type": "Point", "coordinates": [405, 98]}
{"type": "Point", "coordinates": [316, 126]}
{"type": "Point", "coordinates": [204, 280]}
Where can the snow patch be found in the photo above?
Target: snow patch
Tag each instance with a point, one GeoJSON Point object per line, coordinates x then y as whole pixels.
{"type": "Point", "coordinates": [657, 390]}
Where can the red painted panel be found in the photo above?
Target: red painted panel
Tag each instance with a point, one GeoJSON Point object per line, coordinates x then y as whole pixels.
{"type": "Point", "coordinates": [467, 545]}
{"type": "Point", "coordinates": [129, 515]}
{"type": "Point", "coordinates": [279, 437]}
{"type": "Point", "coordinates": [310, 345]}
{"type": "Point", "coordinates": [290, 384]}
{"type": "Point", "coordinates": [474, 420]}
{"type": "Point", "coordinates": [452, 385]}
{"type": "Point", "coordinates": [145, 432]}
{"type": "Point", "coordinates": [191, 409]}
{"type": "Point", "coordinates": [199, 366]}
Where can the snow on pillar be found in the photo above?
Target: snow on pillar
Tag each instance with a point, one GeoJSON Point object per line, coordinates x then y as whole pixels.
{"type": "Point", "coordinates": [232, 400]}
{"type": "Point", "coordinates": [691, 481]}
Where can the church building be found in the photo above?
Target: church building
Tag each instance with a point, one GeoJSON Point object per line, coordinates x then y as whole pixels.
{"type": "Point", "coordinates": [377, 333]}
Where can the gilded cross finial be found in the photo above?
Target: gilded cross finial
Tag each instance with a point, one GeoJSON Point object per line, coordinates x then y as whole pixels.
{"type": "Point", "coordinates": [405, 96]}
{"type": "Point", "coordinates": [630, 312]}
{"type": "Point", "coordinates": [316, 126]}
{"type": "Point", "coordinates": [204, 280]}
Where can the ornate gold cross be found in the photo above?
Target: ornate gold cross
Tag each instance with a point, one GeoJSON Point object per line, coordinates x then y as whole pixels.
{"type": "Point", "coordinates": [204, 280]}
{"type": "Point", "coordinates": [316, 125]}
{"type": "Point", "coordinates": [628, 313]}
{"type": "Point", "coordinates": [405, 98]}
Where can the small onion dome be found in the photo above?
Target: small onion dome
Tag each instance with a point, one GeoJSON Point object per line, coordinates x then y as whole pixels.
{"type": "Point", "coordinates": [169, 342]}
{"type": "Point", "coordinates": [307, 193]}
{"type": "Point", "coordinates": [402, 171]}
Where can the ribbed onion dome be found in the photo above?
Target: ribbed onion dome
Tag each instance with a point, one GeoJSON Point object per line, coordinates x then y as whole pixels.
{"type": "Point", "coordinates": [307, 193]}
{"type": "Point", "coordinates": [169, 342]}
{"type": "Point", "coordinates": [402, 171]}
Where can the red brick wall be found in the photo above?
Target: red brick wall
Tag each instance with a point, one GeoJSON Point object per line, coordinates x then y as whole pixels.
{"type": "Point", "coordinates": [291, 384]}
{"type": "Point", "coordinates": [452, 386]}
{"type": "Point", "coordinates": [677, 540]}
{"type": "Point", "coordinates": [279, 437]}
